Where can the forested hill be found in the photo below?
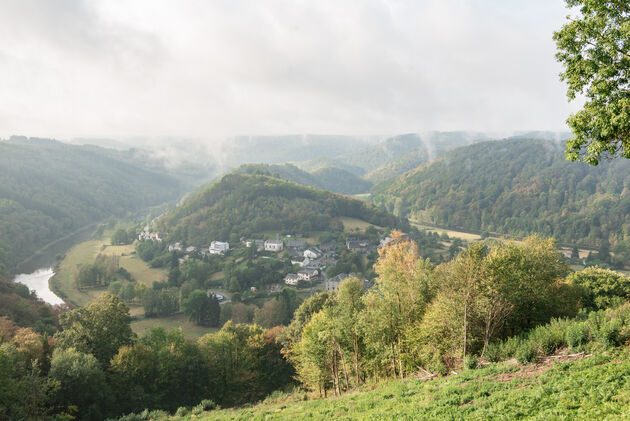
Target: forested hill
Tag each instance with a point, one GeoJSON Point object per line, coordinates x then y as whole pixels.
{"type": "Point", "coordinates": [333, 179]}
{"type": "Point", "coordinates": [49, 189]}
{"type": "Point", "coordinates": [245, 204]}
{"type": "Point", "coordinates": [516, 187]}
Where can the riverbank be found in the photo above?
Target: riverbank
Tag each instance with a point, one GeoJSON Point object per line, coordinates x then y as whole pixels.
{"type": "Point", "coordinates": [38, 281]}
{"type": "Point", "coordinates": [48, 255]}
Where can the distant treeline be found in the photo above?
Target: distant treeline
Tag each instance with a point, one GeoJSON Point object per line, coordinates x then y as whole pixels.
{"type": "Point", "coordinates": [517, 187]}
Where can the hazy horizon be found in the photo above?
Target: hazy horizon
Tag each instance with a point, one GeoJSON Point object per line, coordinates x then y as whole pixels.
{"type": "Point", "coordinates": [125, 70]}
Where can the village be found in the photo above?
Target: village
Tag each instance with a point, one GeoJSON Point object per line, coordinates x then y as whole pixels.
{"type": "Point", "coordinates": [309, 261]}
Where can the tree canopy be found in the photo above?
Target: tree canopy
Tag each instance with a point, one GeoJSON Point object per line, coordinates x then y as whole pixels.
{"type": "Point", "coordinates": [594, 48]}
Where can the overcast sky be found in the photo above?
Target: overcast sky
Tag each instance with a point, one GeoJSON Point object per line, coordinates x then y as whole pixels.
{"type": "Point", "coordinates": [221, 68]}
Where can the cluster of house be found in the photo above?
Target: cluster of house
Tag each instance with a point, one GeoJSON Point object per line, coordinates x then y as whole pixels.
{"type": "Point", "coordinates": [216, 247]}
{"type": "Point", "coordinates": [303, 275]}
{"type": "Point", "coordinates": [266, 245]}
{"type": "Point", "coordinates": [311, 260]}
{"type": "Point", "coordinates": [148, 235]}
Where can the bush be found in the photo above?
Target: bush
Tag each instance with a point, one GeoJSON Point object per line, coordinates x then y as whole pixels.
{"type": "Point", "coordinates": [577, 335]}
{"type": "Point", "coordinates": [546, 339]}
{"type": "Point", "coordinates": [526, 353]}
{"type": "Point", "coordinates": [197, 410]}
{"type": "Point", "coordinates": [494, 352]}
{"type": "Point", "coordinates": [608, 333]}
{"type": "Point", "coordinates": [131, 417]}
{"type": "Point", "coordinates": [470, 362]}
{"type": "Point", "coordinates": [208, 405]}
{"type": "Point", "coordinates": [510, 346]}
{"type": "Point", "coordinates": [182, 411]}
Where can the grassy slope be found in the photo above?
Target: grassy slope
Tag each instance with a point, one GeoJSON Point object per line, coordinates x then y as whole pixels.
{"type": "Point", "coordinates": [597, 387]}
{"type": "Point", "coordinates": [86, 252]}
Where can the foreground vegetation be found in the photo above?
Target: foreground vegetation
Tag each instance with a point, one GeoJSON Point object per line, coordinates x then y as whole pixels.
{"type": "Point", "coordinates": [590, 388]}
{"type": "Point", "coordinates": [496, 301]}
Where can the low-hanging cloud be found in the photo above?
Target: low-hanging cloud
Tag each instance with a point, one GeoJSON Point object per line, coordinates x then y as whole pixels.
{"type": "Point", "coordinates": [213, 69]}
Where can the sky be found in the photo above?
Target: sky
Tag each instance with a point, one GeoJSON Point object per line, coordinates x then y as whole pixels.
{"type": "Point", "coordinates": [216, 68]}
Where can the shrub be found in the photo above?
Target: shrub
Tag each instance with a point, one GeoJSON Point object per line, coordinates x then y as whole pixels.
{"type": "Point", "coordinates": [494, 352]}
{"type": "Point", "coordinates": [510, 346]}
{"type": "Point", "coordinates": [182, 411]}
{"type": "Point", "coordinates": [526, 353]}
{"type": "Point", "coordinates": [208, 404]}
{"type": "Point", "coordinates": [546, 339]}
{"type": "Point", "coordinates": [197, 410]}
{"type": "Point", "coordinates": [131, 417]}
{"type": "Point", "coordinates": [608, 333]}
{"type": "Point", "coordinates": [577, 335]}
{"type": "Point", "coordinates": [470, 362]}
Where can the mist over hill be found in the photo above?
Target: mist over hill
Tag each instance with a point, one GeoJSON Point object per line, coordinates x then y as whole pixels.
{"type": "Point", "coordinates": [49, 189]}
{"type": "Point", "coordinates": [516, 186]}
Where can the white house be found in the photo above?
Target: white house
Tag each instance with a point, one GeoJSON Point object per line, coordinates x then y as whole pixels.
{"type": "Point", "coordinates": [218, 247]}
{"type": "Point", "coordinates": [175, 247]}
{"type": "Point", "coordinates": [308, 275]}
{"type": "Point", "coordinates": [259, 244]}
{"type": "Point", "coordinates": [274, 245]}
{"type": "Point", "coordinates": [312, 254]}
{"type": "Point", "coordinates": [291, 279]}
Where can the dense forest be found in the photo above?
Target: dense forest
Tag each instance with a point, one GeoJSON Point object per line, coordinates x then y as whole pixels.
{"type": "Point", "coordinates": [394, 155]}
{"type": "Point", "coordinates": [49, 189]}
{"type": "Point", "coordinates": [241, 205]}
{"type": "Point", "coordinates": [333, 179]}
{"type": "Point", "coordinates": [516, 187]}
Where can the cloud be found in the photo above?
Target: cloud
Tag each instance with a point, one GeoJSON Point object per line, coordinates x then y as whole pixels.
{"type": "Point", "coordinates": [221, 68]}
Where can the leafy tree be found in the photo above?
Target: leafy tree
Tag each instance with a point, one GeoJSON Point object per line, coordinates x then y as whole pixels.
{"type": "Point", "coordinates": [594, 48]}
{"type": "Point", "coordinates": [405, 289]}
{"type": "Point", "coordinates": [349, 306]}
{"type": "Point", "coordinates": [121, 237]}
{"type": "Point", "coordinates": [82, 383]}
{"type": "Point", "coordinates": [600, 288]}
{"type": "Point", "coordinates": [98, 329]}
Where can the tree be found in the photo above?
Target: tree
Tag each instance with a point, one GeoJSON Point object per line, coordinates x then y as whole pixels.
{"type": "Point", "coordinates": [98, 329]}
{"type": "Point", "coordinates": [600, 288]}
{"type": "Point", "coordinates": [575, 254]}
{"type": "Point", "coordinates": [405, 288]}
{"type": "Point", "coordinates": [82, 383]}
{"type": "Point", "coordinates": [196, 307]}
{"type": "Point", "coordinates": [349, 307]}
{"type": "Point", "coordinates": [595, 51]}
{"type": "Point", "coordinates": [120, 237]}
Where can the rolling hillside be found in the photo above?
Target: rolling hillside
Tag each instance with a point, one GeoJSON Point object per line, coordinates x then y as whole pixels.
{"type": "Point", "coordinates": [244, 204]}
{"type": "Point", "coordinates": [333, 179]}
{"type": "Point", "coordinates": [49, 189]}
{"type": "Point", "coordinates": [516, 187]}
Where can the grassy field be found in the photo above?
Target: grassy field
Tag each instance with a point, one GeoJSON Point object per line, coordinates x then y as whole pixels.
{"type": "Point", "coordinates": [567, 388]}
{"type": "Point", "coordinates": [63, 281]}
{"type": "Point", "coordinates": [351, 224]}
{"type": "Point", "coordinates": [452, 234]}
{"type": "Point", "coordinates": [142, 326]}
{"type": "Point", "coordinates": [85, 253]}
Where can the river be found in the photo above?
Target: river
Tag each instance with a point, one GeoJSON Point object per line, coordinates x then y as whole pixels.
{"type": "Point", "coordinates": [38, 281]}
{"type": "Point", "coordinates": [38, 269]}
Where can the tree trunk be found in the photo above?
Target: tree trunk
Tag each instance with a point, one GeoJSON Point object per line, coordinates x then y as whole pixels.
{"type": "Point", "coordinates": [356, 358]}
{"type": "Point", "coordinates": [465, 324]}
